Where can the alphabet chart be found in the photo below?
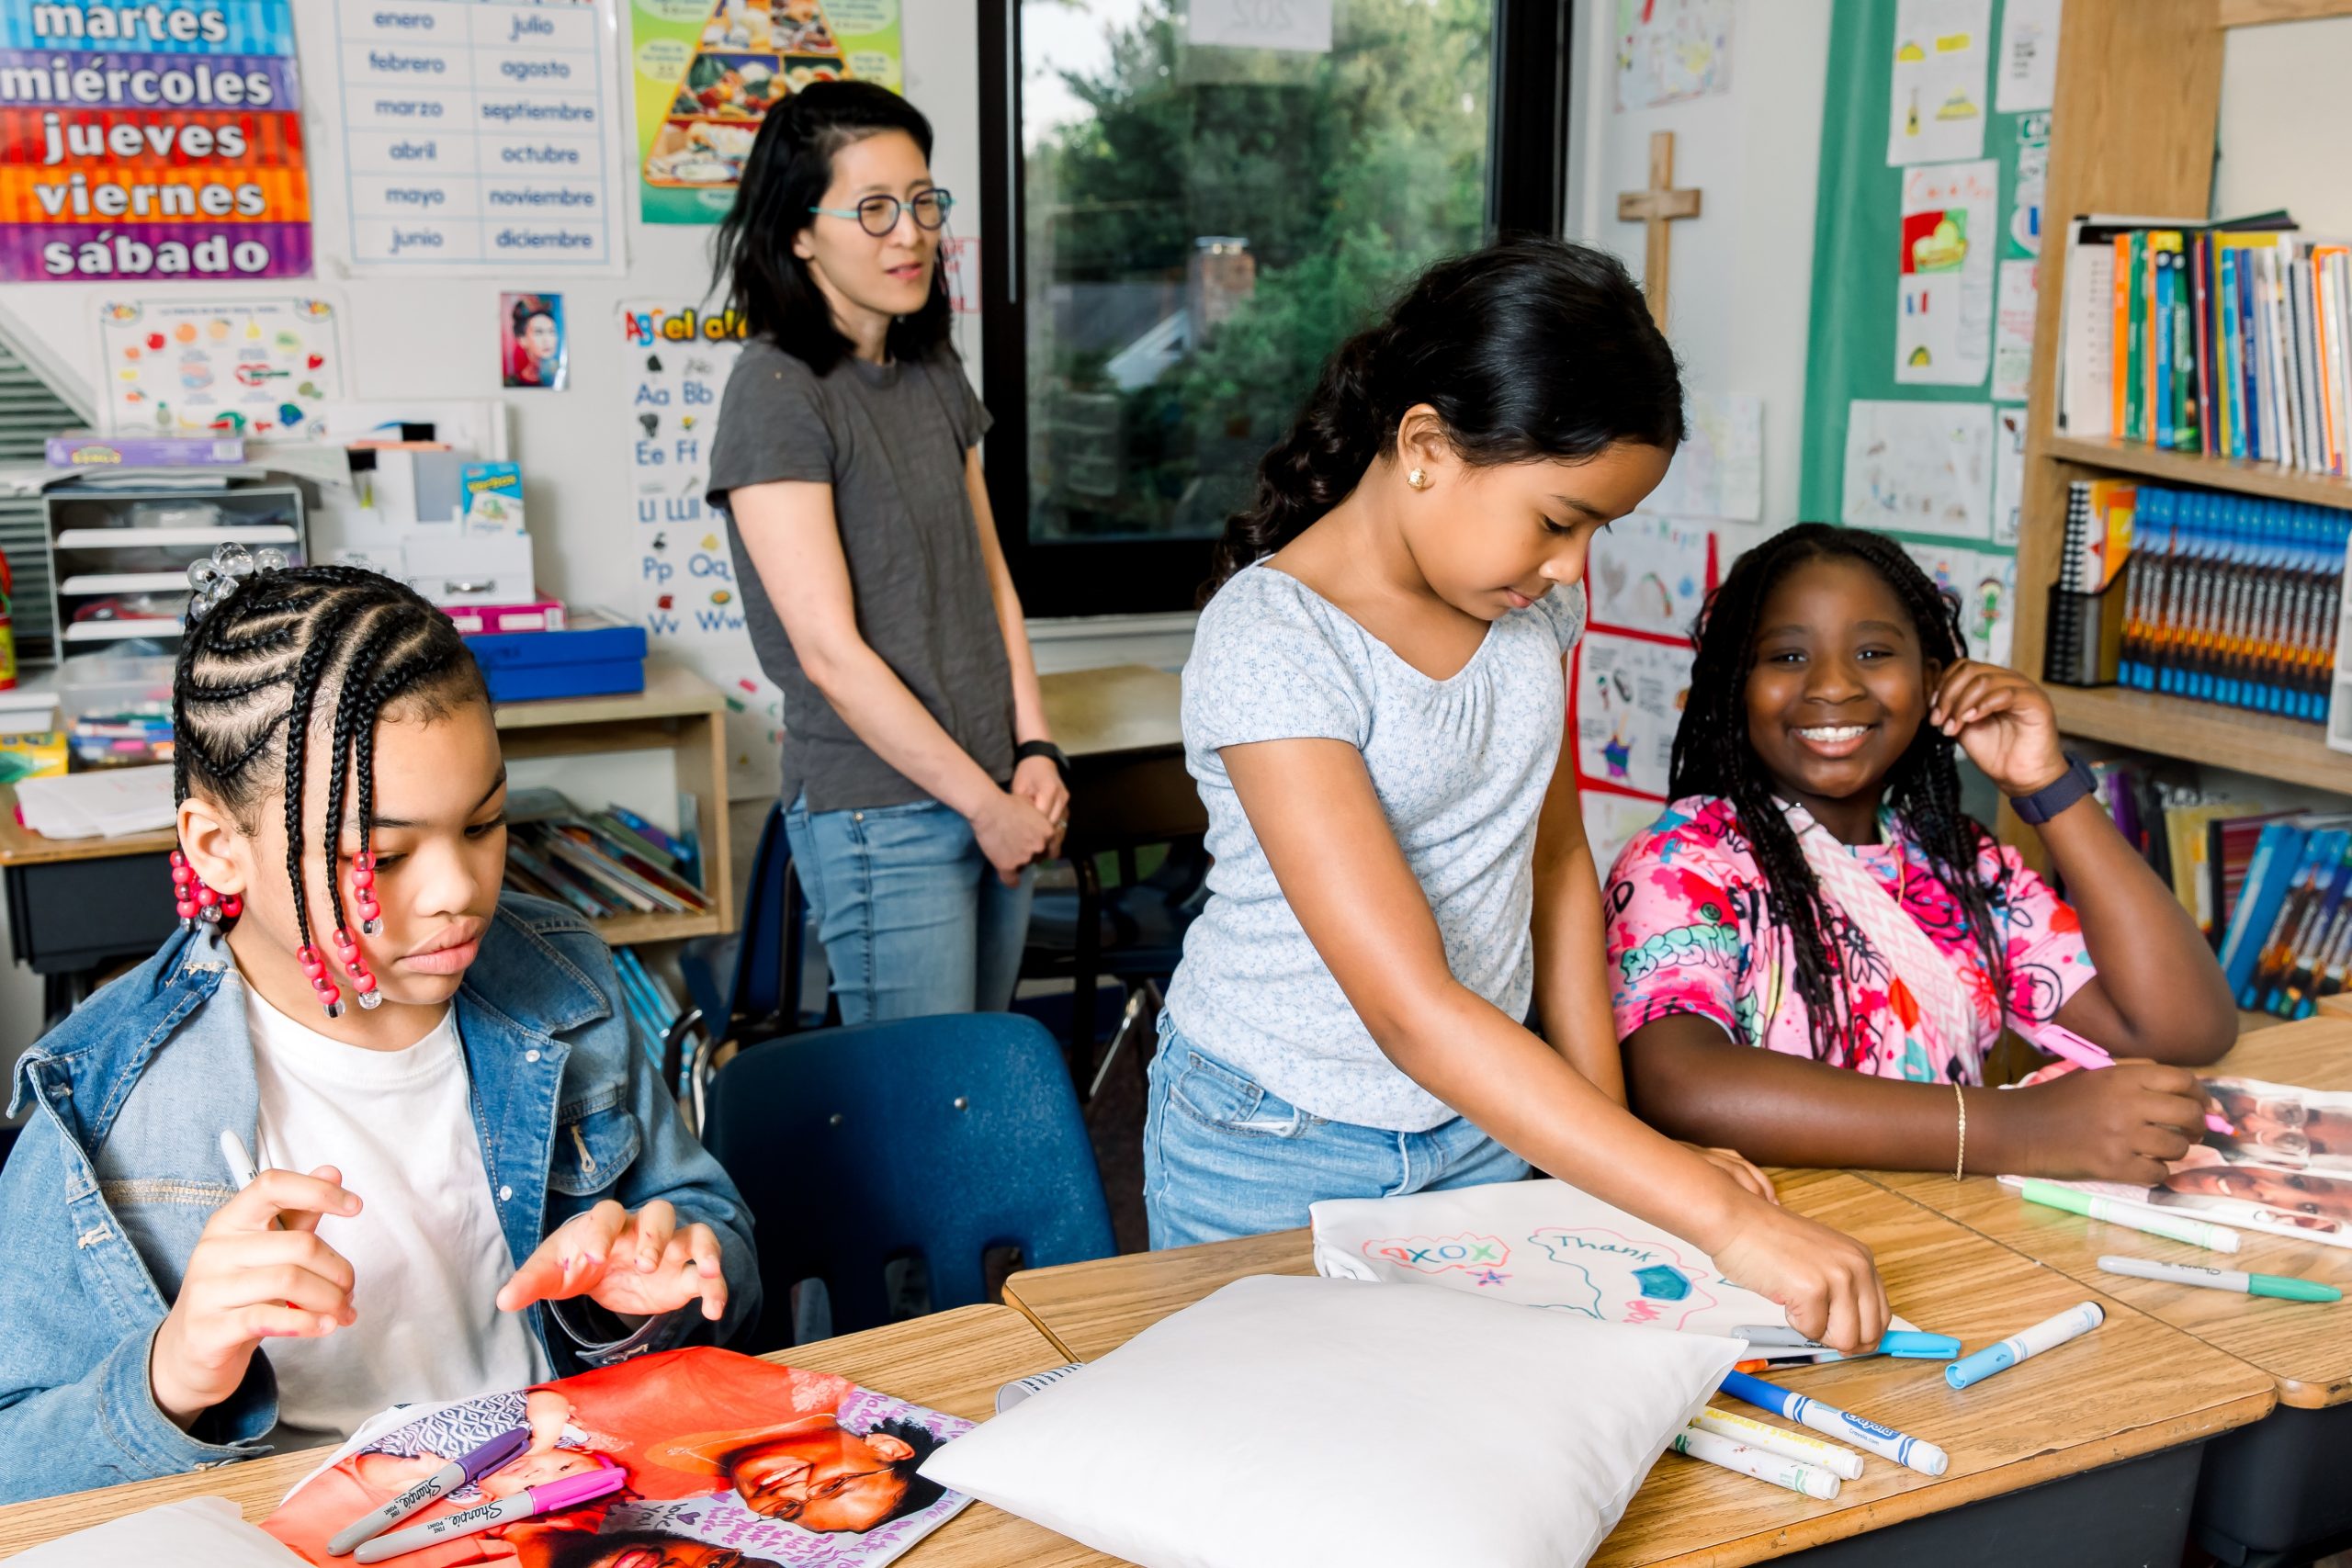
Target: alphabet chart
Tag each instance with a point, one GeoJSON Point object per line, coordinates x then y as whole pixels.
{"type": "Point", "coordinates": [677, 358]}
{"type": "Point", "coordinates": [481, 136]}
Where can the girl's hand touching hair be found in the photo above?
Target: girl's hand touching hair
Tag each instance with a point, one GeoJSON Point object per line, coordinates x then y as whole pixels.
{"type": "Point", "coordinates": [2004, 722]}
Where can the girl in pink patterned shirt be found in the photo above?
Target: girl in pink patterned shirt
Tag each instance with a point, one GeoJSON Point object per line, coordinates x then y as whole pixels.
{"type": "Point", "coordinates": [1815, 889]}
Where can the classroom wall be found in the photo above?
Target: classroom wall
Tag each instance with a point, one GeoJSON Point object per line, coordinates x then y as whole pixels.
{"type": "Point", "coordinates": [2285, 123]}
{"type": "Point", "coordinates": [1742, 270]}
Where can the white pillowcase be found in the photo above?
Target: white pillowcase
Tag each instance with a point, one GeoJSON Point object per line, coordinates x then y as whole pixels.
{"type": "Point", "coordinates": [1286, 1421]}
{"type": "Point", "coordinates": [195, 1532]}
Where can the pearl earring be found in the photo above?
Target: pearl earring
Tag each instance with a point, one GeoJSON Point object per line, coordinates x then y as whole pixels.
{"type": "Point", "coordinates": [1417, 478]}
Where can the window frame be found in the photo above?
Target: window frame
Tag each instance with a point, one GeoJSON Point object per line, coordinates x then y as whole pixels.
{"type": "Point", "coordinates": [1526, 192]}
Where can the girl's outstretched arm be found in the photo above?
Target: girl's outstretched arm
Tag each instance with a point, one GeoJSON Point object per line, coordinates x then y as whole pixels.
{"type": "Point", "coordinates": [2159, 994]}
{"type": "Point", "coordinates": [1315, 811]}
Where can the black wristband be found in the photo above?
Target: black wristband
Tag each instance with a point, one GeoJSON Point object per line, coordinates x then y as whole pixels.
{"type": "Point", "coordinates": [1047, 749]}
{"type": "Point", "coordinates": [2051, 800]}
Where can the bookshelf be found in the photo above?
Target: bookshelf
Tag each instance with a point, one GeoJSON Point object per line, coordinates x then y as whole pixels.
{"type": "Point", "coordinates": [2108, 152]}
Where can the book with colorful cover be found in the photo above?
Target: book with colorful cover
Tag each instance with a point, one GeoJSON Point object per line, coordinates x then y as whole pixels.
{"type": "Point", "coordinates": [727, 1461]}
{"type": "Point", "coordinates": [2286, 1171]}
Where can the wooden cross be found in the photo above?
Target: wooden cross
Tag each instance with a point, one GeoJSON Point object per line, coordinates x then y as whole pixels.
{"type": "Point", "coordinates": [1655, 207]}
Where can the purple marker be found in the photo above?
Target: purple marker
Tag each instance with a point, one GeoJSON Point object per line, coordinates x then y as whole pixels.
{"type": "Point", "coordinates": [500, 1451]}
{"type": "Point", "coordinates": [555, 1497]}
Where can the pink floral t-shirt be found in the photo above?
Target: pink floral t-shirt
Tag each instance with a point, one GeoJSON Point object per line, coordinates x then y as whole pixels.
{"type": "Point", "coordinates": [1691, 930]}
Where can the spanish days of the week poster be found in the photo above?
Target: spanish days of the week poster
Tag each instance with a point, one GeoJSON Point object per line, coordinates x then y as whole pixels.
{"type": "Point", "coordinates": [162, 138]}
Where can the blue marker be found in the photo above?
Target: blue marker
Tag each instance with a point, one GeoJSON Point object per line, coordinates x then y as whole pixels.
{"type": "Point", "coordinates": [2047, 1334]}
{"type": "Point", "coordinates": [1904, 1344]}
{"type": "Point", "coordinates": [1832, 1422]}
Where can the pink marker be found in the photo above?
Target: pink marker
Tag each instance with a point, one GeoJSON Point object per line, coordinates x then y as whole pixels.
{"type": "Point", "coordinates": [2060, 1041]}
{"type": "Point", "coordinates": [556, 1496]}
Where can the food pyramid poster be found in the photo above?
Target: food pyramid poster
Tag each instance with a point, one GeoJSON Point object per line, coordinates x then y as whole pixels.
{"type": "Point", "coordinates": [707, 73]}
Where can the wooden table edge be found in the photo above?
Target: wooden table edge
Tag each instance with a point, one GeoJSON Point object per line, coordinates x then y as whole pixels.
{"type": "Point", "coordinates": [1994, 1481]}
{"type": "Point", "coordinates": [1013, 1299]}
{"type": "Point", "coordinates": [2293, 1392]}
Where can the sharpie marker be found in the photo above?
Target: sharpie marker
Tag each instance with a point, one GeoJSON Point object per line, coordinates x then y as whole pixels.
{"type": "Point", "coordinates": [499, 1451]}
{"type": "Point", "coordinates": [2173, 1227]}
{"type": "Point", "coordinates": [1832, 1422]}
{"type": "Point", "coordinates": [1902, 1343]}
{"type": "Point", "coordinates": [2278, 1285]}
{"type": "Point", "coordinates": [2060, 1041]}
{"type": "Point", "coordinates": [568, 1493]}
{"type": "Point", "coordinates": [2047, 1334]}
{"type": "Point", "coordinates": [1737, 1457]}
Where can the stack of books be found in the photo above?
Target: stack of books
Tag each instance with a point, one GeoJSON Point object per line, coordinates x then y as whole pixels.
{"type": "Point", "coordinates": [2200, 843]}
{"type": "Point", "coordinates": [2230, 339]}
{"type": "Point", "coordinates": [2288, 942]}
{"type": "Point", "coordinates": [2223, 598]}
{"type": "Point", "coordinates": [600, 863]}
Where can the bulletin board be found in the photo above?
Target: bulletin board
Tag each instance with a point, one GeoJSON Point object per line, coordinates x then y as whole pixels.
{"type": "Point", "coordinates": [1923, 275]}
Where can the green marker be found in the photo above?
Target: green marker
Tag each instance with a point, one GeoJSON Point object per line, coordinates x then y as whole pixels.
{"type": "Point", "coordinates": [2173, 1227]}
{"type": "Point", "coordinates": [2277, 1285]}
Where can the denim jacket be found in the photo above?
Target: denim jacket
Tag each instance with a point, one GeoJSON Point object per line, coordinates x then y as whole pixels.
{"type": "Point", "coordinates": [120, 1167]}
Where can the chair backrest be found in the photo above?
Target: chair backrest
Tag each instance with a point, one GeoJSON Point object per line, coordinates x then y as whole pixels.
{"type": "Point", "coordinates": [937, 1138]}
{"type": "Point", "coordinates": [767, 954]}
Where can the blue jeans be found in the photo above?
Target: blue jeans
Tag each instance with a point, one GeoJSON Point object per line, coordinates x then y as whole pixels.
{"type": "Point", "coordinates": [1225, 1157]}
{"type": "Point", "coordinates": [913, 920]}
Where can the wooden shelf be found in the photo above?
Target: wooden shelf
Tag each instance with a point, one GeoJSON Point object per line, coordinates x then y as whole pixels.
{"type": "Point", "coordinates": [2269, 479]}
{"type": "Point", "coordinates": [2255, 12]}
{"type": "Point", "coordinates": [2262, 744]}
{"type": "Point", "coordinates": [623, 930]}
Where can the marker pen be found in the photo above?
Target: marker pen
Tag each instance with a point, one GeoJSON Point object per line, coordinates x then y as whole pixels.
{"type": "Point", "coordinates": [458, 1473]}
{"type": "Point", "coordinates": [2060, 1041]}
{"type": "Point", "coordinates": [2278, 1285]}
{"type": "Point", "coordinates": [2172, 1227]}
{"type": "Point", "coordinates": [1830, 1421]}
{"type": "Point", "coordinates": [1904, 1344]}
{"type": "Point", "coordinates": [568, 1493]}
{"type": "Point", "coordinates": [2047, 1334]}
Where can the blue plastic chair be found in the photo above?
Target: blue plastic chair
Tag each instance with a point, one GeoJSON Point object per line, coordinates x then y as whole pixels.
{"type": "Point", "coordinates": [747, 986]}
{"type": "Point", "coordinates": [937, 1138]}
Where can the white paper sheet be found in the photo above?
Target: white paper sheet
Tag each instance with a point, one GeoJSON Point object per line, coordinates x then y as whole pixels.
{"type": "Point", "coordinates": [2025, 77]}
{"type": "Point", "coordinates": [1649, 574]}
{"type": "Point", "coordinates": [2013, 331]}
{"type": "Point", "coordinates": [1669, 50]}
{"type": "Point", "coordinates": [1941, 56]}
{"type": "Point", "coordinates": [1986, 582]}
{"type": "Point", "coordinates": [1629, 701]}
{"type": "Point", "coordinates": [2008, 472]}
{"type": "Point", "coordinates": [1944, 302]}
{"type": "Point", "coordinates": [1919, 468]}
{"type": "Point", "coordinates": [1718, 471]}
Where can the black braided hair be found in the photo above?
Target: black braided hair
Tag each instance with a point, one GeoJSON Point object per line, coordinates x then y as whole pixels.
{"type": "Point", "coordinates": [252, 671]}
{"type": "Point", "coordinates": [1529, 349]}
{"type": "Point", "coordinates": [1713, 756]}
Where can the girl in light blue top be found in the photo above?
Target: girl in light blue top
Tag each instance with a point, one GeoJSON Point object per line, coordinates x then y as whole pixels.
{"type": "Point", "coordinates": [1373, 710]}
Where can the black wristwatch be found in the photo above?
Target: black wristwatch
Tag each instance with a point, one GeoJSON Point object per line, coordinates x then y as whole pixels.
{"type": "Point", "coordinates": [2051, 800]}
{"type": "Point", "coordinates": [1047, 750]}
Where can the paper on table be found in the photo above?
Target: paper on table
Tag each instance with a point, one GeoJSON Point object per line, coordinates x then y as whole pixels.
{"type": "Point", "coordinates": [105, 804]}
{"type": "Point", "coordinates": [195, 1532]}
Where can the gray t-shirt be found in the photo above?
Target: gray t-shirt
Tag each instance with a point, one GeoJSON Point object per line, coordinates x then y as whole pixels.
{"type": "Point", "coordinates": [890, 439]}
{"type": "Point", "coordinates": [1459, 765]}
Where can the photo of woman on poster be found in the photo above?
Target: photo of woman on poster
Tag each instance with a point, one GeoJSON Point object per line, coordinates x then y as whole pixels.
{"type": "Point", "coordinates": [534, 352]}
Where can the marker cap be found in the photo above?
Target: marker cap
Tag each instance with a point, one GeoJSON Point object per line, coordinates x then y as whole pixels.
{"type": "Point", "coordinates": [2288, 1290]}
{"type": "Point", "coordinates": [495, 1454]}
{"type": "Point", "coordinates": [574, 1490]}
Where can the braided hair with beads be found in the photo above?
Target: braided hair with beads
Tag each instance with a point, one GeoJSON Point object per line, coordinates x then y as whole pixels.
{"type": "Point", "coordinates": [277, 654]}
{"type": "Point", "coordinates": [1713, 756]}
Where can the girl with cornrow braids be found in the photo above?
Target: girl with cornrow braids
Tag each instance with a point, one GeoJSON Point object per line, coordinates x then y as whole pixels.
{"type": "Point", "coordinates": [469, 1178]}
{"type": "Point", "coordinates": [1403, 895]}
{"type": "Point", "coordinates": [1815, 889]}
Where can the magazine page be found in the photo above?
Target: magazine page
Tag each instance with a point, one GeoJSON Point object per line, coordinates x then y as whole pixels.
{"type": "Point", "coordinates": [729, 1463]}
{"type": "Point", "coordinates": [2286, 1171]}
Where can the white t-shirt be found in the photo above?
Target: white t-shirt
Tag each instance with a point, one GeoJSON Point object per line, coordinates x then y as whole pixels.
{"type": "Point", "coordinates": [425, 1249]}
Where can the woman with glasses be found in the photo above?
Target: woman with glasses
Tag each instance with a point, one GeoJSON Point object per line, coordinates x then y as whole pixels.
{"type": "Point", "coordinates": [920, 780]}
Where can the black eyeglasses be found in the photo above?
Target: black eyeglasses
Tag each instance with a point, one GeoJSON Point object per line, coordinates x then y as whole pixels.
{"type": "Point", "coordinates": [879, 215]}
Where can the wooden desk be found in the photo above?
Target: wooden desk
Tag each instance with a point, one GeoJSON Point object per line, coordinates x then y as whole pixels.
{"type": "Point", "coordinates": [2277, 1486]}
{"type": "Point", "coordinates": [75, 904]}
{"type": "Point", "coordinates": [2083, 1411]}
{"type": "Point", "coordinates": [955, 1361]}
{"type": "Point", "coordinates": [1126, 707]}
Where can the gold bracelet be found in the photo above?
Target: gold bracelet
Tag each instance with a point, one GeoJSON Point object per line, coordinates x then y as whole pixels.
{"type": "Point", "coordinates": [1959, 1161]}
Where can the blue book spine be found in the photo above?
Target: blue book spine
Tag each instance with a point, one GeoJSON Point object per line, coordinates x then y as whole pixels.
{"type": "Point", "coordinates": [2161, 333]}
{"type": "Point", "coordinates": [2277, 856]}
{"type": "Point", "coordinates": [2249, 361]}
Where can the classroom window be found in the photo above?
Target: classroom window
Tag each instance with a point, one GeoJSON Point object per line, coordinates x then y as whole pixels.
{"type": "Point", "coordinates": [1192, 226]}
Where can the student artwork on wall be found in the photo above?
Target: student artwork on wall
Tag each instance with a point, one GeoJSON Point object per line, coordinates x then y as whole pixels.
{"type": "Point", "coordinates": [1944, 301]}
{"type": "Point", "coordinates": [481, 133]}
{"type": "Point", "coordinates": [151, 142]}
{"type": "Point", "coordinates": [265, 368]}
{"type": "Point", "coordinates": [706, 71]}
{"type": "Point", "coordinates": [1919, 468]}
{"type": "Point", "coordinates": [1630, 694]}
{"type": "Point", "coordinates": [2027, 72]}
{"type": "Point", "coordinates": [533, 351]}
{"type": "Point", "coordinates": [2008, 472]}
{"type": "Point", "coordinates": [1669, 50]}
{"type": "Point", "coordinates": [1941, 57]}
{"type": "Point", "coordinates": [1718, 471]}
{"type": "Point", "coordinates": [1650, 575]}
{"type": "Point", "coordinates": [1985, 584]}
{"type": "Point", "coordinates": [677, 358]}
{"type": "Point", "coordinates": [713, 1457]}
